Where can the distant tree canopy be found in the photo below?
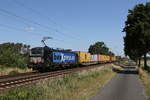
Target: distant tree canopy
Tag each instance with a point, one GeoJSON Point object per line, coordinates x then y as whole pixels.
{"type": "Point", "coordinates": [14, 55]}
{"type": "Point", "coordinates": [137, 29]}
{"type": "Point", "coordinates": [100, 48]}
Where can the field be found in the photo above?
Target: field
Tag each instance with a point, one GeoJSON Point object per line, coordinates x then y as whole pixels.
{"type": "Point", "coordinates": [75, 86]}
{"type": "Point", "coordinates": [11, 71]}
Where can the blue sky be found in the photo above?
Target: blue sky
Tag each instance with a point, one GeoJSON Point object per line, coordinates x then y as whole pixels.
{"type": "Point", "coordinates": [74, 24]}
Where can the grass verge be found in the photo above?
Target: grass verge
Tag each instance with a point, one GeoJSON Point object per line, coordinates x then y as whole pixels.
{"type": "Point", "coordinates": [144, 76]}
{"type": "Point", "coordinates": [117, 67]}
{"type": "Point", "coordinates": [12, 71]}
{"type": "Point", "coordinates": [74, 86]}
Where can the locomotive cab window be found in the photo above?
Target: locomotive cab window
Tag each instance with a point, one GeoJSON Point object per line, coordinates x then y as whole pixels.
{"type": "Point", "coordinates": [36, 51]}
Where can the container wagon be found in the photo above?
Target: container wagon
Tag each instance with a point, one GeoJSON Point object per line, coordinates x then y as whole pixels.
{"type": "Point", "coordinates": [94, 59]}
{"type": "Point", "coordinates": [45, 58]}
{"type": "Point", "coordinates": [113, 58]}
{"type": "Point", "coordinates": [84, 58]}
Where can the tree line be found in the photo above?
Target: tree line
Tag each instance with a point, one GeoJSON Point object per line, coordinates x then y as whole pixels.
{"type": "Point", "coordinates": [100, 48]}
{"type": "Point", "coordinates": [14, 55]}
{"type": "Point", "coordinates": [17, 54]}
{"type": "Point", "coordinates": [137, 33]}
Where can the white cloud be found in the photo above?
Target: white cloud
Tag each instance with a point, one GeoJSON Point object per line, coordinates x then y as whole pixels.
{"type": "Point", "coordinates": [29, 29]}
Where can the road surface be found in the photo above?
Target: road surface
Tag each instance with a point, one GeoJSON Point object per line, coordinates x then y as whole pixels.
{"type": "Point", "coordinates": [125, 86]}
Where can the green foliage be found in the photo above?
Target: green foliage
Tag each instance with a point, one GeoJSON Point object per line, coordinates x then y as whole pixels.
{"type": "Point", "coordinates": [100, 48]}
{"type": "Point", "coordinates": [13, 55]}
{"type": "Point", "coordinates": [137, 28]}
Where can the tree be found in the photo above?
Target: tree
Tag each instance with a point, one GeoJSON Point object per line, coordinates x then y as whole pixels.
{"type": "Point", "coordinates": [130, 48]}
{"type": "Point", "coordinates": [100, 48]}
{"type": "Point", "coordinates": [11, 55]}
{"type": "Point", "coordinates": [137, 29]}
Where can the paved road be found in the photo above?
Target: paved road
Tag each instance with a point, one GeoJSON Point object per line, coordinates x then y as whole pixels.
{"type": "Point", "coordinates": [125, 86]}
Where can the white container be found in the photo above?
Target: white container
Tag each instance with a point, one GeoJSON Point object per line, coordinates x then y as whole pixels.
{"type": "Point", "coordinates": [94, 58]}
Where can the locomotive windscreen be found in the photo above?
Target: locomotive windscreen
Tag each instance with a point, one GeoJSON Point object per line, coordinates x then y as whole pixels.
{"type": "Point", "coordinates": [36, 51]}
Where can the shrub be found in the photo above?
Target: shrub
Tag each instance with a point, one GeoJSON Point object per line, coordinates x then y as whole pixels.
{"type": "Point", "coordinates": [10, 55]}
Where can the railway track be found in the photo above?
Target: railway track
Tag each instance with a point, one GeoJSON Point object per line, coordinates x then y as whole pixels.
{"type": "Point", "coordinates": [7, 82]}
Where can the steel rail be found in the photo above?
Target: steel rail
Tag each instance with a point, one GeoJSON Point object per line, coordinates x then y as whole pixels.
{"type": "Point", "coordinates": [25, 79]}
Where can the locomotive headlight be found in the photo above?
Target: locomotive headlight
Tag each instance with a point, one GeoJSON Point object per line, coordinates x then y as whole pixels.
{"type": "Point", "coordinates": [36, 60]}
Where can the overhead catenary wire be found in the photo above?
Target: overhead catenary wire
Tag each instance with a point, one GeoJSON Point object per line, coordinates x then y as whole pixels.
{"type": "Point", "coordinates": [17, 20]}
{"type": "Point", "coordinates": [22, 30]}
{"type": "Point", "coordinates": [35, 23]}
{"type": "Point", "coordinates": [18, 29]}
{"type": "Point", "coordinates": [24, 20]}
{"type": "Point", "coordinates": [38, 13]}
{"type": "Point", "coordinates": [33, 33]}
{"type": "Point", "coordinates": [33, 10]}
{"type": "Point", "coordinates": [25, 23]}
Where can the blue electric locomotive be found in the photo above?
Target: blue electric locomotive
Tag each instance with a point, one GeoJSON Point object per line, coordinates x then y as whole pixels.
{"type": "Point", "coordinates": [45, 58]}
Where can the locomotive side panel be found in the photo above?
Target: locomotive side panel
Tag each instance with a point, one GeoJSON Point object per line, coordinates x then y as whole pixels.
{"type": "Point", "coordinates": [64, 57]}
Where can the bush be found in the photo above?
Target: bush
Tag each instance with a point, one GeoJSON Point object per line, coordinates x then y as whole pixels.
{"type": "Point", "coordinates": [9, 59]}
{"type": "Point", "coordinates": [10, 55]}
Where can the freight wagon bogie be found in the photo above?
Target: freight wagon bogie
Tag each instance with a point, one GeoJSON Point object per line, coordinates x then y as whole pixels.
{"type": "Point", "coordinates": [52, 66]}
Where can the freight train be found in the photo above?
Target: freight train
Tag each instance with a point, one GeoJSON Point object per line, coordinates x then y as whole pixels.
{"type": "Point", "coordinates": [45, 58]}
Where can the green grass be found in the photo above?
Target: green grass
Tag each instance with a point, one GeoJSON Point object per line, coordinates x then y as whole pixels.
{"type": "Point", "coordinates": [74, 86]}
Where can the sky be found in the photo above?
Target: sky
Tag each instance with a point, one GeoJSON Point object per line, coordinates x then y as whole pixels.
{"type": "Point", "coordinates": [73, 24]}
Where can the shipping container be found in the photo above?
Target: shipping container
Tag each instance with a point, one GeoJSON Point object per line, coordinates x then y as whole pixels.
{"type": "Point", "coordinates": [83, 57]}
{"type": "Point", "coordinates": [94, 58]}
{"type": "Point", "coordinates": [103, 58]}
{"type": "Point", "coordinates": [113, 58]}
{"type": "Point", "coordinates": [107, 58]}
